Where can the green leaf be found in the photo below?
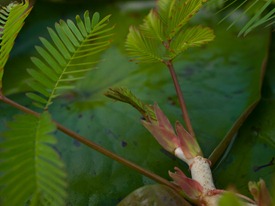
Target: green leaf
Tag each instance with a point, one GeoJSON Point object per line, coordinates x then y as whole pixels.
{"type": "Point", "coordinates": [81, 26]}
{"type": "Point", "coordinates": [256, 138]}
{"type": "Point", "coordinates": [191, 37]}
{"type": "Point", "coordinates": [153, 26]}
{"type": "Point", "coordinates": [95, 20]}
{"type": "Point", "coordinates": [176, 13]}
{"type": "Point", "coordinates": [252, 24]}
{"type": "Point", "coordinates": [12, 18]}
{"type": "Point", "coordinates": [142, 49]}
{"type": "Point", "coordinates": [257, 12]}
{"type": "Point", "coordinates": [255, 21]}
{"type": "Point", "coordinates": [161, 37]}
{"type": "Point", "coordinates": [253, 150]}
{"type": "Point", "coordinates": [68, 57]}
{"type": "Point", "coordinates": [30, 167]}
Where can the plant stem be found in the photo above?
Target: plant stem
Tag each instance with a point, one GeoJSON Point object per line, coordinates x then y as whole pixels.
{"type": "Point", "coordinates": [185, 115]}
{"type": "Point", "coordinates": [94, 145]}
{"type": "Point", "coordinates": [201, 172]}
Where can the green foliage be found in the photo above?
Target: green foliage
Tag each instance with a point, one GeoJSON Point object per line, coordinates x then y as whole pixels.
{"type": "Point", "coordinates": [143, 49]}
{"type": "Point", "coordinates": [95, 173]}
{"type": "Point", "coordinates": [164, 35]}
{"type": "Point", "coordinates": [31, 171]}
{"type": "Point", "coordinates": [11, 21]}
{"type": "Point", "coordinates": [68, 57]}
{"type": "Point", "coordinates": [30, 167]}
{"type": "Point", "coordinates": [191, 37]}
{"type": "Point", "coordinates": [260, 13]}
{"type": "Point", "coordinates": [176, 13]}
{"type": "Point", "coordinates": [259, 18]}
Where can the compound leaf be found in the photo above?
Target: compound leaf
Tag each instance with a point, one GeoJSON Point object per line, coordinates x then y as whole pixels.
{"type": "Point", "coordinates": [176, 13]}
{"type": "Point", "coordinates": [192, 37]}
{"type": "Point", "coordinates": [11, 21]}
{"type": "Point", "coordinates": [31, 170]}
{"type": "Point", "coordinates": [67, 58]}
{"type": "Point", "coordinates": [141, 48]}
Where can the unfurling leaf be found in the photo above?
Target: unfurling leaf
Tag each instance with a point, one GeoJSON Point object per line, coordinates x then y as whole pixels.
{"type": "Point", "coordinates": [188, 144]}
{"type": "Point", "coordinates": [156, 122]}
{"type": "Point", "coordinates": [126, 96]}
{"type": "Point", "coordinates": [162, 130]}
{"type": "Point", "coordinates": [191, 188]}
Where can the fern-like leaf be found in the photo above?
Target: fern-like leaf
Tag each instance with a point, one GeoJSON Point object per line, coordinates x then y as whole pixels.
{"type": "Point", "coordinates": [68, 57]}
{"type": "Point", "coordinates": [191, 37]}
{"type": "Point", "coordinates": [176, 13]}
{"type": "Point", "coordinates": [153, 27]}
{"type": "Point", "coordinates": [30, 169]}
{"type": "Point", "coordinates": [11, 21]}
{"type": "Point", "coordinates": [143, 49]}
{"type": "Point", "coordinates": [162, 36]}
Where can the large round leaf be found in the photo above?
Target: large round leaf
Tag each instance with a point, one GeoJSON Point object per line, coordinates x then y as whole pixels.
{"type": "Point", "coordinates": [252, 155]}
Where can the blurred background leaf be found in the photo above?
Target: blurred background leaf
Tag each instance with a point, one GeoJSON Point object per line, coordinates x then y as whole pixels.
{"type": "Point", "coordinates": [153, 195]}
{"type": "Point", "coordinates": [219, 81]}
{"type": "Point", "coordinates": [247, 14]}
{"type": "Point", "coordinates": [252, 154]}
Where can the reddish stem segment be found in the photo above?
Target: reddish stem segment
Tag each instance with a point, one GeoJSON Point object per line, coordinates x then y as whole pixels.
{"type": "Point", "coordinates": [94, 145]}
{"type": "Point", "coordinates": [185, 115]}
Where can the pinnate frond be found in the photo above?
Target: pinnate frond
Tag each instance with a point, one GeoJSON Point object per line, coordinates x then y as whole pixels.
{"type": "Point", "coordinates": [143, 49]}
{"type": "Point", "coordinates": [11, 21]}
{"type": "Point", "coordinates": [163, 34]}
{"type": "Point", "coordinates": [153, 27]}
{"type": "Point", "coordinates": [30, 168]}
{"type": "Point", "coordinates": [164, 8]}
{"type": "Point", "coordinates": [176, 13]}
{"type": "Point", "coordinates": [71, 53]}
{"type": "Point", "coordinates": [191, 37]}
